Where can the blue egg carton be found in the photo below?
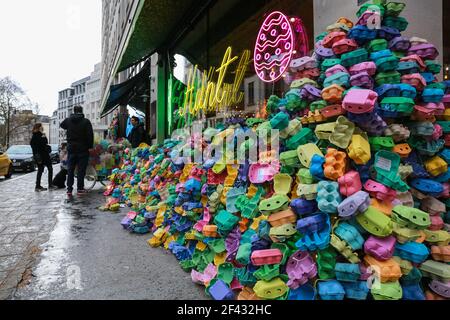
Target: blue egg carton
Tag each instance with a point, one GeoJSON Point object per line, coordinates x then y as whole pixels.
{"type": "Point", "coordinates": [305, 293]}
{"type": "Point", "coordinates": [388, 91]}
{"type": "Point", "coordinates": [430, 148]}
{"type": "Point", "coordinates": [303, 206]}
{"type": "Point", "coordinates": [408, 67]}
{"type": "Point", "coordinates": [413, 292]}
{"type": "Point", "coordinates": [388, 33]}
{"type": "Point", "coordinates": [316, 167]}
{"type": "Point", "coordinates": [445, 154]}
{"type": "Point", "coordinates": [412, 251]}
{"type": "Point", "coordinates": [374, 56]}
{"type": "Point", "coordinates": [429, 77]}
{"type": "Point", "coordinates": [413, 277]}
{"type": "Point", "coordinates": [362, 34]}
{"type": "Point", "coordinates": [328, 196]}
{"type": "Point", "coordinates": [312, 224]}
{"type": "Point", "coordinates": [407, 91]}
{"type": "Point", "coordinates": [220, 291]}
{"type": "Point", "coordinates": [430, 95]}
{"type": "Point", "coordinates": [387, 111]}
{"type": "Point", "coordinates": [428, 186]}
{"type": "Point", "coordinates": [445, 177]}
{"type": "Point", "coordinates": [318, 240]}
{"type": "Point", "coordinates": [349, 234]}
{"type": "Point", "coordinates": [356, 290]}
{"type": "Point", "coordinates": [347, 272]}
{"type": "Point", "coordinates": [331, 290]}
{"type": "Point", "coordinates": [340, 78]}
{"type": "Point", "coordinates": [387, 64]}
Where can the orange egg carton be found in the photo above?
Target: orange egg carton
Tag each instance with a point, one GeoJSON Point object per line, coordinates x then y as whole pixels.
{"type": "Point", "coordinates": [313, 117]}
{"type": "Point", "coordinates": [335, 164]}
{"type": "Point", "coordinates": [403, 150]}
{"type": "Point", "coordinates": [383, 206]}
{"type": "Point", "coordinates": [332, 38]}
{"type": "Point", "coordinates": [210, 231]}
{"type": "Point", "coordinates": [346, 21]}
{"type": "Point", "coordinates": [333, 93]}
{"type": "Point", "coordinates": [332, 111]}
{"type": "Point", "coordinates": [388, 271]}
{"type": "Point", "coordinates": [247, 294]}
{"type": "Point", "coordinates": [281, 218]}
{"type": "Point", "coordinates": [441, 253]}
{"type": "Point", "coordinates": [243, 225]}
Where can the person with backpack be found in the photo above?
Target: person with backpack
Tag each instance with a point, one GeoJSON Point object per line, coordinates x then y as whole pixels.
{"type": "Point", "coordinates": [41, 155]}
{"type": "Point", "coordinates": [80, 138]}
{"type": "Point", "coordinates": [137, 134]}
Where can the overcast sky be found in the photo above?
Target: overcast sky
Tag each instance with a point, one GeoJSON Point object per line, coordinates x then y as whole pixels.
{"type": "Point", "coordinates": [48, 44]}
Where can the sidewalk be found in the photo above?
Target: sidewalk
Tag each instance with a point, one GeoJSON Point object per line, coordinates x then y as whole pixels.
{"type": "Point", "coordinates": [51, 249]}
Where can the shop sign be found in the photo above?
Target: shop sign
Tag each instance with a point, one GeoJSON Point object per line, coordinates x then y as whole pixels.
{"type": "Point", "coordinates": [206, 94]}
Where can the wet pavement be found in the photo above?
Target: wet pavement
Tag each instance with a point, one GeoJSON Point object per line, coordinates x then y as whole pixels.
{"type": "Point", "coordinates": [54, 249]}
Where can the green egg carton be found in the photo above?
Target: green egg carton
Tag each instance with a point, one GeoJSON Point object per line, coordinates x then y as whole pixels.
{"type": "Point", "coordinates": [404, 235]}
{"type": "Point", "coordinates": [399, 54]}
{"type": "Point", "coordinates": [274, 204]}
{"type": "Point", "coordinates": [433, 67]}
{"type": "Point", "coordinates": [326, 263]}
{"type": "Point", "coordinates": [378, 45]}
{"type": "Point", "coordinates": [267, 272]}
{"type": "Point", "coordinates": [371, 7]}
{"type": "Point", "coordinates": [439, 237]}
{"type": "Point", "coordinates": [329, 63]}
{"type": "Point", "coordinates": [321, 36]}
{"type": "Point", "coordinates": [304, 136]}
{"type": "Point", "coordinates": [253, 122]}
{"type": "Point", "coordinates": [243, 254]}
{"type": "Point", "coordinates": [375, 222]}
{"type": "Point", "coordinates": [290, 158]}
{"type": "Point", "coordinates": [225, 220]}
{"type": "Point", "coordinates": [318, 105]}
{"type": "Point", "coordinates": [391, 77]}
{"type": "Point", "coordinates": [399, 23]}
{"type": "Point", "coordinates": [445, 126]}
{"type": "Point", "coordinates": [387, 291]}
{"type": "Point", "coordinates": [217, 245]}
{"type": "Point", "coordinates": [400, 104]}
{"type": "Point", "coordinates": [381, 143]}
{"type": "Point", "coordinates": [387, 64]}
{"type": "Point", "coordinates": [435, 270]}
{"type": "Point", "coordinates": [305, 177]}
{"type": "Point", "coordinates": [354, 57]}
{"type": "Point", "coordinates": [437, 85]}
{"type": "Point", "coordinates": [284, 250]}
{"type": "Point", "coordinates": [245, 277]}
{"type": "Point", "coordinates": [394, 9]}
{"type": "Point", "coordinates": [405, 266]}
{"type": "Point", "coordinates": [411, 217]}
{"type": "Point", "coordinates": [343, 132]}
{"type": "Point", "coordinates": [225, 272]}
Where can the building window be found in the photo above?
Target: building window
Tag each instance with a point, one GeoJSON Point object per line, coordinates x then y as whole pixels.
{"type": "Point", "coordinates": [251, 93]}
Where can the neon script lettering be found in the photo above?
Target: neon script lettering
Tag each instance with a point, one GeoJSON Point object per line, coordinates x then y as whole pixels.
{"type": "Point", "coordinates": [207, 95]}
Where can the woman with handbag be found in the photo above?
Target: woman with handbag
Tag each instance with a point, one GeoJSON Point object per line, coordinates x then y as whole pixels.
{"type": "Point", "coordinates": [41, 153]}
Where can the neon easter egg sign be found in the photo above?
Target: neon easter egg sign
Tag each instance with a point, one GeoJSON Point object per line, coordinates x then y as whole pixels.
{"type": "Point", "coordinates": [274, 47]}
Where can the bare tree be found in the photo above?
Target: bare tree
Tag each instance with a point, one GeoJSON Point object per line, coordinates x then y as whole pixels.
{"type": "Point", "coordinates": [13, 101]}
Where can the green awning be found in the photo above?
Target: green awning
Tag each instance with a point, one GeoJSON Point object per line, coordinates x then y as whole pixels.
{"type": "Point", "coordinates": [158, 21]}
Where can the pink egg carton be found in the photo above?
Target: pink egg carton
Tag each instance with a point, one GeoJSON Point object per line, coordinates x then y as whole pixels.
{"type": "Point", "coordinates": [436, 223]}
{"type": "Point", "coordinates": [446, 99]}
{"type": "Point", "coordinates": [369, 67]}
{"type": "Point", "coordinates": [360, 101]}
{"type": "Point", "coordinates": [380, 248]}
{"type": "Point", "coordinates": [446, 193]}
{"type": "Point", "coordinates": [266, 257]}
{"type": "Point", "coordinates": [438, 132]}
{"type": "Point", "coordinates": [380, 191]}
{"type": "Point", "coordinates": [350, 183]}
{"type": "Point", "coordinates": [431, 108]}
{"type": "Point", "coordinates": [336, 69]}
{"type": "Point", "coordinates": [416, 80]}
{"type": "Point", "coordinates": [433, 206]}
{"type": "Point", "coordinates": [202, 278]}
{"type": "Point", "coordinates": [131, 215]}
{"type": "Point", "coordinates": [332, 38]}
{"type": "Point", "coordinates": [344, 46]}
{"type": "Point", "coordinates": [260, 173]}
{"type": "Point", "coordinates": [364, 18]}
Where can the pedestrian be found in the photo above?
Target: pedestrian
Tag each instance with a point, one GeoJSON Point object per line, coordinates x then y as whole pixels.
{"type": "Point", "coordinates": [137, 134]}
{"type": "Point", "coordinates": [80, 138]}
{"type": "Point", "coordinates": [41, 155]}
{"type": "Point", "coordinates": [60, 178]}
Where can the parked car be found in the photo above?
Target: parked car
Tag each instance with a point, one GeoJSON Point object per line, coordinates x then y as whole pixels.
{"type": "Point", "coordinates": [22, 158]}
{"type": "Point", "coordinates": [6, 167]}
{"type": "Point", "coordinates": [54, 155]}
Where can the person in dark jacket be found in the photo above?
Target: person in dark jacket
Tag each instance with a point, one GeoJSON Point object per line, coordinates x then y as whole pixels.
{"type": "Point", "coordinates": [80, 138]}
{"type": "Point", "coordinates": [137, 134]}
{"type": "Point", "coordinates": [41, 154]}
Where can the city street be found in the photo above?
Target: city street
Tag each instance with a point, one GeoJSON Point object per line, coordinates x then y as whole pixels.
{"type": "Point", "coordinates": [52, 249]}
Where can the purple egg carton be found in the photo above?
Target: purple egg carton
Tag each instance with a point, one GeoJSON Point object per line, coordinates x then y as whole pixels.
{"type": "Point", "coordinates": [370, 122]}
{"type": "Point", "coordinates": [353, 205]}
{"type": "Point", "coordinates": [311, 93]}
{"type": "Point", "coordinates": [380, 248]}
{"type": "Point", "coordinates": [126, 222]}
{"type": "Point", "coordinates": [300, 268]}
{"type": "Point", "coordinates": [312, 224]}
{"type": "Point", "coordinates": [362, 80]}
{"type": "Point", "coordinates": [441, 288]}
{"type": "Point", "coordinates": [388, 33]}
{"type": "Point", "coordinates": [400, 44]}
{"type": "Point", "coordinates": [426, 51]}
{"type": "Point", "coordinates": [220, 291]}
{"type": "Point", "coordinates": [324, 53]}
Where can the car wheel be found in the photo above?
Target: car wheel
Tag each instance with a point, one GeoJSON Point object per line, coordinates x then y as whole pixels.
{"type": "Point", "coordinates": [10, 172]}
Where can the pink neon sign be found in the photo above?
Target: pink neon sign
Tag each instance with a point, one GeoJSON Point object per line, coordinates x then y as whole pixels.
{"type": "Point", "coordinates": [274, 47]}
{"type": "Point", "coordinates": [279, 41]}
